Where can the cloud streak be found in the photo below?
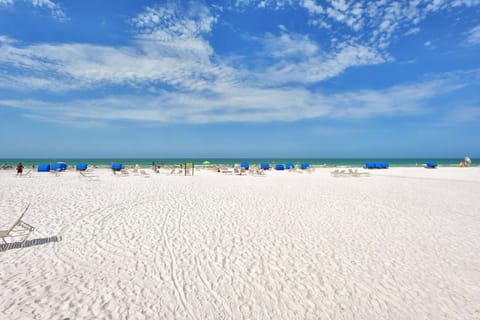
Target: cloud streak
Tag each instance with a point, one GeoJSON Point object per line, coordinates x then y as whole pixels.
{"type": "Point", "coordinates": [248, 104]}
{"type": "Point", "coordinates": [55, 9]}
{"type": "Point", "coordinates": [473, 37]}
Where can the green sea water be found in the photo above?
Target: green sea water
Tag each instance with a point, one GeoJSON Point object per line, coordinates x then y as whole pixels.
{"type": "Point", "coordinates": [412, 162]}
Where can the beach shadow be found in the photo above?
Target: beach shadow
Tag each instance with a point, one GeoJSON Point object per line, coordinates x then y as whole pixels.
{"type": "Point", "coordinates": [28, 243]}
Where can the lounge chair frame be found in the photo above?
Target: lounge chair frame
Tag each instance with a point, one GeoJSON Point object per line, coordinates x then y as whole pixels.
{"type": "Point", "coordinates": [18, 229]}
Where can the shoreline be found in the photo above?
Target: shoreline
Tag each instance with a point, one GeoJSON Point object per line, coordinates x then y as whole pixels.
{"type": "Point", "coordinates": [147, 162]}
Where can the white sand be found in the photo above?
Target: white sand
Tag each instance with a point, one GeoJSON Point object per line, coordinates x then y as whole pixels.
{"type": "Point", "coordinates": [403, 243]}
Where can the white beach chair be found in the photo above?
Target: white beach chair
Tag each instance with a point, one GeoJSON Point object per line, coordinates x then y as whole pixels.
{"type": "Point", "coordinates": [88, 176]}
{"type": "Point", "coordinates": [256, 171]}
{"type": "Point", "coordinates": [27, 174]}
{"type": "Point", "coordinates": [18, 229]}
{"type": "Point", "coordinates": [338, 173]}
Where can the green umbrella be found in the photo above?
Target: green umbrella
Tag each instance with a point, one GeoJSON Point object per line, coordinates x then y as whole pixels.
{"type": "Point", "coordinates": [206, 162]}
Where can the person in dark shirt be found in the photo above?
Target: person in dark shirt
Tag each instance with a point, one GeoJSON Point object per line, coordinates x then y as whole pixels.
{"type": "Point", "coordinates": [19, 169]}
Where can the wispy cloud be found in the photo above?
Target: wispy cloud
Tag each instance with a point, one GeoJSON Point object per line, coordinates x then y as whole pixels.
{"type": "Point", "coordinates": [325, 65]}
{"type": "Point", "coordinates": [174, 74]}
{"type": "Point", "coordinates": [248, 104]}
{"type": "Point", "coordinates": [473, 37]}
{"type": "Point", "coordinates": [373, 24]}
{"type": "Point", "coordinates": [55, 9]}
{"type": "Point", "coordinates": [289, 45]}
{"type": "Point", "coordinates": [168, 48]}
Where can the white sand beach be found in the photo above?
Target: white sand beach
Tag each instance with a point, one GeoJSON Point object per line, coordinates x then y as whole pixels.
{"type": "Point", "coordinates": [402, 243]}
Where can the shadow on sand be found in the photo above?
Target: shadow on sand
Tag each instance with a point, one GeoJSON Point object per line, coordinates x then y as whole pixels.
{"type": "Point", "coordinates": [28, 243]}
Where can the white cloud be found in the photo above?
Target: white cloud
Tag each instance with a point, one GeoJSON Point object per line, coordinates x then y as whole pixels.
{"type": "Point", "coordinates": [376, 23]}
{"type": "Point", "coordinates": [467, 3]}
{"type": "Point", "coordinates": [170, 53]}
{"type": "Point", "coordinates": [316, 68]}
{"type": "Point", "coordinates": [55, 9]}
{"type": "Point", "coordinates": [312, 7]}
{"type": "Point", "coordinates": [271, 4]}
{"type": "Point", "coordinates": [289, 45]}
{"type": "Point", "coordinates": [239, 103]}
{"type": "Point", "coordinates": [5, 39]}
{"type": "Point", "coordinates": [473, 37]}
{"type": "Point", "coordinates": [84, 65]}
{"type": "Point", "coordinates": [169, 48]}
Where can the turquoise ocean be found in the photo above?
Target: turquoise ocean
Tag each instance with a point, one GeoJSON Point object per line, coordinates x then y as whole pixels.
{"type": "Point", "coordinates": [412, 162]}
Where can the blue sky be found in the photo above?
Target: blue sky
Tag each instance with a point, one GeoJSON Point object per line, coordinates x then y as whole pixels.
{"type": "Point", "coordinates": [240, 78]}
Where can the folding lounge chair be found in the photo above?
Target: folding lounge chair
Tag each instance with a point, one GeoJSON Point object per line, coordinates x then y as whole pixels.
{"type": "Point", "coordinates": [19, 228]}
{"type": "Point", "coordinates": [27, 174]}
{"type": "Point", "coordinates": [88, 176]}
{"type": "Point", "coordinates": [338, 173]}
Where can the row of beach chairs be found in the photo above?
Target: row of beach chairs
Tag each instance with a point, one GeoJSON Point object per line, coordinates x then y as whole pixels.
{"type": "Point", "coordinates": [349, 173]}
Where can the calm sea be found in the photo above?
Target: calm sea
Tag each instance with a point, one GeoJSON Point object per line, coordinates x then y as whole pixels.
{"type": "Point", "coordinates": [229, 162]}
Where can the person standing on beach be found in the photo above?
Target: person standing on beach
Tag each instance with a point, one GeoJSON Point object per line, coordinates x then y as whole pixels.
{"type": "Point", "coordinates": [19, 169]}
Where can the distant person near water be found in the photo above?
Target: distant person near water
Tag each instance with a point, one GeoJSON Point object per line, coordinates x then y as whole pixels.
{"type": "Point", "coordinates": [19, 169]}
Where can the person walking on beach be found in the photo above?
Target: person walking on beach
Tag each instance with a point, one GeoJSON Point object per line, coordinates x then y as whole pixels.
{"type": "Point", "coordinates": [19, 169]}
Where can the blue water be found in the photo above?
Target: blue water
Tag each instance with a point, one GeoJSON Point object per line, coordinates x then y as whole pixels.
{"type": "Point", "coordinates": [228, 162]}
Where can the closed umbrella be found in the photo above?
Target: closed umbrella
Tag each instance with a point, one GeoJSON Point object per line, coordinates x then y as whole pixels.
{"type": "Point", "coordinates": [467, 161]}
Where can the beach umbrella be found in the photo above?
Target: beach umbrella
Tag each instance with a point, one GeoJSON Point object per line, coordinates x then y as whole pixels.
{"type": "Point", "coordinates": [206, 162]}
{"type": "Point", "coordinates": [467, 161]}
